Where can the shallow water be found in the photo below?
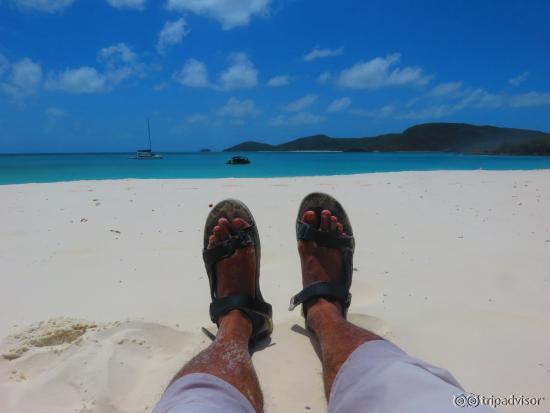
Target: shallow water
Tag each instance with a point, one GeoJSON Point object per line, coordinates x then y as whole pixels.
{"type": "Point", "coordinates": [69, 167]}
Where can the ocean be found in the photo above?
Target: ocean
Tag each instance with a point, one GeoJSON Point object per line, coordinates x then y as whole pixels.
{"type": "Point", "coordinates": [17, 169]}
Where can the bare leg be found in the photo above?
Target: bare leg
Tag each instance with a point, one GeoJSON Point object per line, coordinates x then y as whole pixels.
{"type": "Point", "coordinates": [337, 337]}
{"type": "Point", "coordinates": [228, 356]}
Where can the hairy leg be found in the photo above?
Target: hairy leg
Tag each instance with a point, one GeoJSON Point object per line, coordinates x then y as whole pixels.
{"type": "Point", "coordinates": [228, 357]}
{"type": "Point", "coordinates": [337, 337]}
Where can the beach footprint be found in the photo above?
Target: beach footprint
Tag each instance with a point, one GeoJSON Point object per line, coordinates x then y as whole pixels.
{"type": "Point", "coordinates": [93, 368]}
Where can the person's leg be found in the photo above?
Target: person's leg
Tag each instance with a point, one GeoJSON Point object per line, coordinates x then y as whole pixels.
{"type": "Point", "coordinates": [228, 357]}
{"type": "Point", "coordinates": [337, 337]}
{"type": "Point", "coordinates": [363, 372]}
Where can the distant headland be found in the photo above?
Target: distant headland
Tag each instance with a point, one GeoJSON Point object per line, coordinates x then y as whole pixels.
{"type": "Point", "coordinates": [432, 137]}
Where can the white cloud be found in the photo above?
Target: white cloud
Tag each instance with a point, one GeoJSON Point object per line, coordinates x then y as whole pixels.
{"type": "Point", "coordinates": [193, 74]}
{"type": "Point", "coordinates": [457, 100]}
{"type": "Point", "coordinates": [480, 98]}
{"type": "Point", "coordinates": [278, 81]}
{"type": "Point", "coordinates": [430, 112]}
{"type": "Point", "coordinates": [317, 53]}
{"type": "Point", "coordinates": [236, 108]}
{"type": "Point", "coordinates": [324, 78]}
{"type": "Point", "coordinates": [4, 64]}
{"type": "Point", "coordinates": [378, 72]}
{"type": "Point", "coordinates": [382, 112]}
{"type": "Point", "coordinates": [23, 80]}
{"type": "Point", "coordinates": [230, 13]}
{"type": "Point", "coordinates": [55, 112]}
{"type": "Point", "coordinates": [160, 86]}
{"type": "Point", "coordinates": [48, 6]}
{"type": "Point", "coordinates": [172, 33]}
{"type": "Point", "coordinates": [449, 98]}
{"type": "Point", "coordinates": [301, 118]}
{"type": "Point", "coordinates": [241, 74]}
{"type": "Point", "coordinates": [300, 104]}
{"type": "Point", "coordinates": [196, 118]}
{"type": "Point", "coordinates": [127, 4]}
{"type": "Point", "coordinates": [120, 63]}
{"type": "Point", "coordinates": [444, 89]}
{"type": "Point", "coordinates": [339, 104]}
{"type": "Point", "coordinates": [82, 80]}
{"type": "Point", "coordinates": [518, 80]}
{"type": "Point", "coordinates": [477, 99]}
{"type": "Point", "coordinates": [530, 99]}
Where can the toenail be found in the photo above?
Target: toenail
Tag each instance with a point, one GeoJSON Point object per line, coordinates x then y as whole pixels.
{"type": "Point", "coordinates": [239, 223]}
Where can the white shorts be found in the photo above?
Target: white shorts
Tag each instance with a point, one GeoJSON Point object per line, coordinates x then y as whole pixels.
{"type": "Point", "coordinates": [377, 377]}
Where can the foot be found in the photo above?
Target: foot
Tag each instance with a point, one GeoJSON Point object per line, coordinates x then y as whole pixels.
{"type": "Point", "coordinates": [235, 274]}
{"type": "Point", "coordinates": [321, 264]}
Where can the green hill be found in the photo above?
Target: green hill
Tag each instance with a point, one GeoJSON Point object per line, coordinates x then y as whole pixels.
{"type": "Point", "coordinates": [438, 137]}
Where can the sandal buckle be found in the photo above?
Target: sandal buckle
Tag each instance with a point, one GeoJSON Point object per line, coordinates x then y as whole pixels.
{"type": "Point", "coordinates": [293, 304]}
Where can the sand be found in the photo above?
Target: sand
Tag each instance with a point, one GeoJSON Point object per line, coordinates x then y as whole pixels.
{"type": "Point", "coordinates": [103, 292]}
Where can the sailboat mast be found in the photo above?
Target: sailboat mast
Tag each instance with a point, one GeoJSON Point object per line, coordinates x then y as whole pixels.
{"type": "Point", "coordinates": [149, 133]}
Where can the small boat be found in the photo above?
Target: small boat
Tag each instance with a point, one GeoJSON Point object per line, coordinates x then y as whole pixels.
{"type": "Point", "coordinates": [238, 160]}
{"type": "Point", "coordinates": [147, 153]}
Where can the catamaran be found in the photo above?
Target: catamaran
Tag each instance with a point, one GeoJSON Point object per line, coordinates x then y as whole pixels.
{"type": "Point", "coordinates": [147, 153]}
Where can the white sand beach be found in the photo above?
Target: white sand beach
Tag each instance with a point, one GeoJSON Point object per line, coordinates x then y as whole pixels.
{"type": "Point", "coordinates": [103, 290]}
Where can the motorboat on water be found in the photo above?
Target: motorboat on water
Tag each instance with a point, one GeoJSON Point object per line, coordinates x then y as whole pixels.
{"type": "Point", "coordinates": [238, 160]}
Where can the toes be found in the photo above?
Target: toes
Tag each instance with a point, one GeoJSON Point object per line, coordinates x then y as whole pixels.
{"type": "Point", "coordinates": [310, 218]}
{"type": "Point", "coordinates": [223, 230]}
{"type": "Point", "coordinates": [325, 220]}
{"type": "Point", "coordinates": [211, 241]}
{"type": "Point", "coordinates": [226, 228]}
{"type": "Point", "coordinates": [239, 223]}
{"type": "Point", "coordinates": [333, 223]}
{"type": "Point", "coordinates": [220, 233]}
{"type": "Point", "coordinates": [223, 222]}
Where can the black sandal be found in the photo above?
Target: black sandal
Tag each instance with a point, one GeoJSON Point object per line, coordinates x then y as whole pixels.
{"type": "Point", "coordinates": [255, 308]}
{"type": "Point", "coordinates": [338, 292]}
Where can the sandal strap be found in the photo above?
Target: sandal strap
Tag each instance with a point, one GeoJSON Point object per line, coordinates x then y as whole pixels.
{"type": "Point", "coordinates": [259, 312]}
{"type": "Point", "coordinates": [243, 238]}
{"type": "Point", "coordinates": [327, 239]}
{"type": "Point", "coordinates": [331, 291]}
{"type": "Point", "coordinates": [221, 306]}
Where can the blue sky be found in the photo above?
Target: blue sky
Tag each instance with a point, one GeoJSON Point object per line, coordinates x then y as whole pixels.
{"type": "Point", "coordinates": [84, 75]}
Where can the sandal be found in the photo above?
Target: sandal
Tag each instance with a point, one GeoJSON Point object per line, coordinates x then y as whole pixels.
{"type": "Point", "coordinates": [255, 308]}
{"type": "Point", "coordinates": [338, 292]}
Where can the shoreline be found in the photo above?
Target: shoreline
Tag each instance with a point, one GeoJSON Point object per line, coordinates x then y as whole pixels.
{"type": "Point", "coordinates": [359, 174]}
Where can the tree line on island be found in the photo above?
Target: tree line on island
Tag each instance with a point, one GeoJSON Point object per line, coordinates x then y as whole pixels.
{"type": "Point", "coordinates": [432, 137]}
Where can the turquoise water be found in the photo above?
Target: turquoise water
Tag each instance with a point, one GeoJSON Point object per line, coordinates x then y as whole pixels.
{"type": "Point", "coordinates": [55, 168]}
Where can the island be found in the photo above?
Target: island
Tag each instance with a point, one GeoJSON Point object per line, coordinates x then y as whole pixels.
{"type": "Point", "coordinates": [428, 137]}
